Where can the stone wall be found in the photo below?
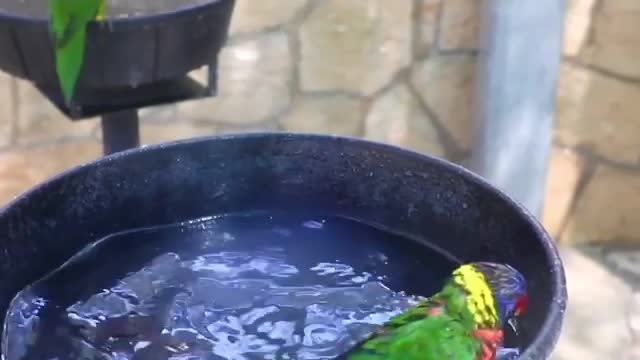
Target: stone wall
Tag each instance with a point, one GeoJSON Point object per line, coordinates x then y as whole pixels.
{"type": "Point", "coordinates": [401, 72]}
{"type": "Point", "coordinates": [594, 181]}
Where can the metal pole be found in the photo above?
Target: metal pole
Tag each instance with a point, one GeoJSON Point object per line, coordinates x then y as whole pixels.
{"type": "Point", "coordinates": [120, 131]}
{"type": "Point", "coordinates": [212, 78]}
{"type": "Point", "coordinates": [520, 44]}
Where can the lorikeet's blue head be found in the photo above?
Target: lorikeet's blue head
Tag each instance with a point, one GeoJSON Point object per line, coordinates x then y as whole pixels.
{"type": "Point", "coordinates": [497, 293]}
{"type": "Point", "coordinates": [509, 289]}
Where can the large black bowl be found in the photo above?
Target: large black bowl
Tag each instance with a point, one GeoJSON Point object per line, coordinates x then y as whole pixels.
{"type": "Point", "coordinates": [413, 194]}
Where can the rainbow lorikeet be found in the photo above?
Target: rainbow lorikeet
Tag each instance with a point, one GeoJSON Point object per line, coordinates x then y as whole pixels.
{"type": "Point", "coordinates": [464, 321]}
{"type": "Point", "coordinates": [68, 21]}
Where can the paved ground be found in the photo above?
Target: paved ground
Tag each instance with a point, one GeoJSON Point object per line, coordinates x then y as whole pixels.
{"type": "Point", "coordinates": [603, 316]}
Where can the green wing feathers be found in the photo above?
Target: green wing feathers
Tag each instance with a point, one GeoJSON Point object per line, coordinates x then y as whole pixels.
{"type": "Point", "coordinates": [433, 338]}
{"type": "Point", "coordinates": [418, 312]}
{"type": "Point", "coordinates": [68, 22]}
{"type": "Point", "coordinates": [436, 329]}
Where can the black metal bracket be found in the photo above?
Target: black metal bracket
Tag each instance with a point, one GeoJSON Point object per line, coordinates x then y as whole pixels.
{"type": "Point", "coordinates": [119, 107]}
{"type": "Point", "coordinates": [95, 102]}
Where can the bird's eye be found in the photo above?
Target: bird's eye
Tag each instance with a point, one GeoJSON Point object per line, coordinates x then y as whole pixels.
{"type": "Point", "coordinates": [521, 305]}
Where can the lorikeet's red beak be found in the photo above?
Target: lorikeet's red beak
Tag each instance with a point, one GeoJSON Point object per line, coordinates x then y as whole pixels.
{"type": "Point", "coordinates": [521, 305]}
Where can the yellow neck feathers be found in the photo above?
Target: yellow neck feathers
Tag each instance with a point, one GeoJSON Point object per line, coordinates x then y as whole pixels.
{"type": "Point", "coordinates": [101, 8]}
{"type": "Point", "coordinates": [480, 301]}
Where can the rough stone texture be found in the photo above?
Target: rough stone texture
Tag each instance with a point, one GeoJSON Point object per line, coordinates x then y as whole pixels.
{"type": "Point", "coordinates": [252, 16]}
{"type": "Point", "coordinates": [40, 121]}
{"type": "Point", "coordinates": [617, 6]}
{"type": "Point", "coordinates": [397, 119]}
{"type": "Point", "coordinates": [270, 126]}
{"type": "Point", "coordinates": [356, 46]}
{"type": "Point", "coordinates": [615, 40]}
{"type": "Point", "coordinates": [609, 208]}
{"type": "Point", "coordinates": [459, 24]}
{"type": "Point", "coordinates": [577, 25]}
{"type": "Point", "coordinates": [21, 169]}
{"type": "Point", "coordinates": [600, 113]}
{"type": "Point", "coordinates": [446, 85]}
{"type": "Point", "coordinates": [158, 133]}
{"type": "Point", "coordinates": [162, 123]}
{"type": "Point", "coordinates": [160, 114]}
{"type": "Point", "coordinates": [253, 84]}
{"type": "Point", "coordinates": [429, 10]}
{"type": "Point", "coordinates": [595, 325]}
{"type": "Point", "coordinates": [337, 115]}
{"type": "Point", "coordinates": [565, 170]}
{"type": "Point", "coordinates": [7, 113]}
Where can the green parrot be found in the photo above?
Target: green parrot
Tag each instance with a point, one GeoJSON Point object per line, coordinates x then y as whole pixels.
{"type": "Point", "coordinates": [464, 321]}
{"type": "Point", "coordinates": [68, 21]}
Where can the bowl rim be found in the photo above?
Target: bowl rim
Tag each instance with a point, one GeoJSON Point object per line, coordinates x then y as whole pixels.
{"type": "Point", "coordinates": [142, 20]}
{"type": "Point", "coordinates": [542, 344]}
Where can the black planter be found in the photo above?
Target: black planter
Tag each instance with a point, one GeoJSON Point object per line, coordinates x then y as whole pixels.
{"type": "Point", "coordinates": [133, 62]}
{"type": "Point", "coordinates": [413, 194]}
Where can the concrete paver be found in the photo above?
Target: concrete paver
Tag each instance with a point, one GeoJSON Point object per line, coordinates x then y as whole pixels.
{"type": "Point", "coordinates": [596, 325]}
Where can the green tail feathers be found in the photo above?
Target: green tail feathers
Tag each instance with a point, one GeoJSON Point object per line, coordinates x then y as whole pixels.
{"type": "Point", "coordinates": [69, 62]}
{"type": "Point", "coordinates": [68, 25]}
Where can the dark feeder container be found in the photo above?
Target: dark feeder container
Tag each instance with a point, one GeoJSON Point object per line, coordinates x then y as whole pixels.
{"type": "Point", "coordinates": [130, 62]}
{"type": "Point", "coordinates": [411, 194]}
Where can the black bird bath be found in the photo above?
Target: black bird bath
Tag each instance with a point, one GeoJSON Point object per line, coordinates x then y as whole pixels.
{"type": "Point", "coordinates": [139, 56]}
{"type": "Point", "coordinates": [411, 194]}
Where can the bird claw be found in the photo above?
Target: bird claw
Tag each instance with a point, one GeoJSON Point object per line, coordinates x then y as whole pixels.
{"type": "Point", "coordinates": [490, 339]}
{"type": "Point", "coordinates": [493, 337]}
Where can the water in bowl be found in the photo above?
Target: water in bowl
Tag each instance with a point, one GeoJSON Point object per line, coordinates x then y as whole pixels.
{"type": "Point", "coordinates": [258, 286]}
